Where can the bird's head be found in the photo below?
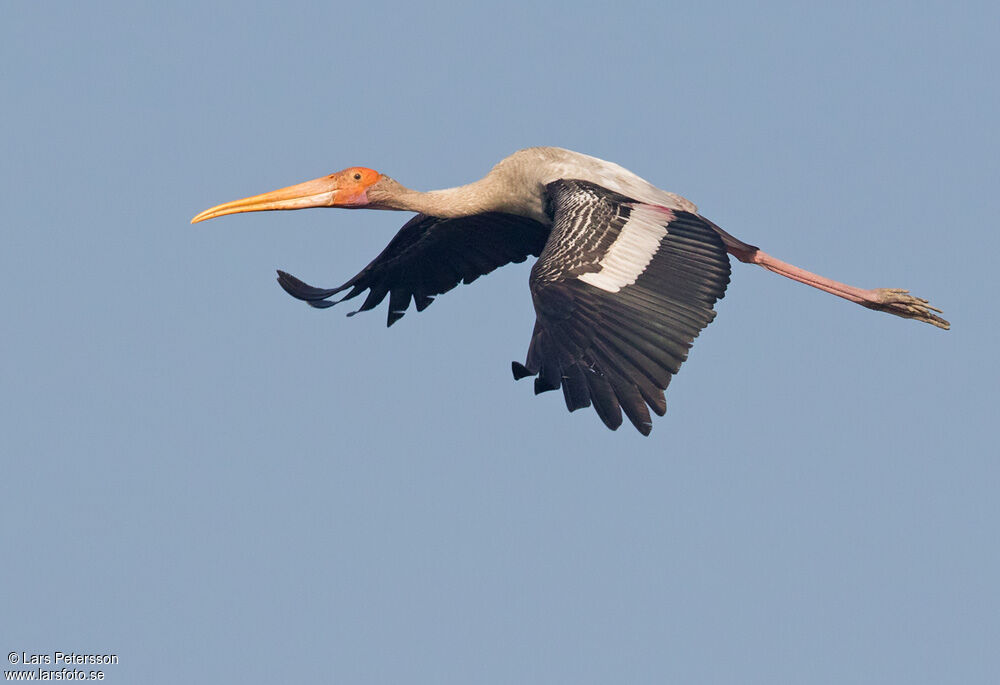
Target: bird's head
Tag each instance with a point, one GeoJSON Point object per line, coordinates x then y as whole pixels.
{"type": "Point", "coordinates": [348, 188]}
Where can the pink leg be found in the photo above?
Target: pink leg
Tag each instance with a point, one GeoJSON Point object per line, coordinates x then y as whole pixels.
{"type": "Point", "coordinates": [891, 300]}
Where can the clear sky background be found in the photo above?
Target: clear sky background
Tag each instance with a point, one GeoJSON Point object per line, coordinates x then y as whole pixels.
{"type": "Point", "coordinates": [220, 484]}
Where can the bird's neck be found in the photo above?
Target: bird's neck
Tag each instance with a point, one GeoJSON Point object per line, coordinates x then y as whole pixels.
{"type": "Point", "coordinates": [447, 203]}
{"type": "Point", "coordinates": [484, 195]}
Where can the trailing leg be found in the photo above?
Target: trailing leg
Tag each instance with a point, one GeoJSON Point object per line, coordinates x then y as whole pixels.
{"type": "Point", "coordinates": [890, 300]}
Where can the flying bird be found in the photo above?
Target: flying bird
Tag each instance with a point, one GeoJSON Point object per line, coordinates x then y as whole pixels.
{"type": "Point", "coordinates": [627, 274]}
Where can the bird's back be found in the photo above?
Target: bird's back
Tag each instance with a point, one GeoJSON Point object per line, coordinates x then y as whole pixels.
{"type": "Point", "coordinates": [540, 166]}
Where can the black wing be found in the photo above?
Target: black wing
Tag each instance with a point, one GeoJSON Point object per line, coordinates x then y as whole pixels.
{"type": "Point", "coordinates": [621, 290]}
{"type": "Point", "coordinates": [430, 256]}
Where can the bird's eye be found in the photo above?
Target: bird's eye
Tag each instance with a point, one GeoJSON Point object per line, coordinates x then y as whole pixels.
{"type": "Point", "coordinates": [357, 176]}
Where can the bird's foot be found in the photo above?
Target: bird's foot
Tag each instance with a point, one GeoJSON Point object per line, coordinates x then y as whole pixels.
{"type": "Point", "coordinates": [901, 303]}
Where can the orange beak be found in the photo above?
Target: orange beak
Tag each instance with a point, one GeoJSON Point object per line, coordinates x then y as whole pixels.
{"type": "Point", "coordinates": [320, 192]}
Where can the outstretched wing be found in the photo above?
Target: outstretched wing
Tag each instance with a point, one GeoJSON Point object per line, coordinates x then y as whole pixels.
{"type": "Point", "coordinates": [430, 256]}
{"type": "Point", "coordinates": [621, 289]}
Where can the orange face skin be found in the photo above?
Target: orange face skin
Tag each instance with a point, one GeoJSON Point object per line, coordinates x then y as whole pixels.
{"type": "Point", "coordinates": [352, 185]}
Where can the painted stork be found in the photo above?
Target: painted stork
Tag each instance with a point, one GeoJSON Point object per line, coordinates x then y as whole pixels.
{"type": "Point", "coordinates": [627, 274]}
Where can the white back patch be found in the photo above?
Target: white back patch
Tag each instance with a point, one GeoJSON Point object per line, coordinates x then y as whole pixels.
{"type": "Point", "coordinates": [632, 250]}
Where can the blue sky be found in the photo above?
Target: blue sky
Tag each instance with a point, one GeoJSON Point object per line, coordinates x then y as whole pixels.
{"type": "Point", "coordinates": [218, 484]}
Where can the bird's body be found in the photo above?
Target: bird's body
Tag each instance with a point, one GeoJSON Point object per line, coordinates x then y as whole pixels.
{"type": "Point", "coordinates": [627, 275]}
{"type": "Point", "coordinates": [516, 185]}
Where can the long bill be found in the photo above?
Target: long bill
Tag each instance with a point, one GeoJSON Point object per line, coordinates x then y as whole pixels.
{"type": "Point", "coordinates": [319, 192]}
